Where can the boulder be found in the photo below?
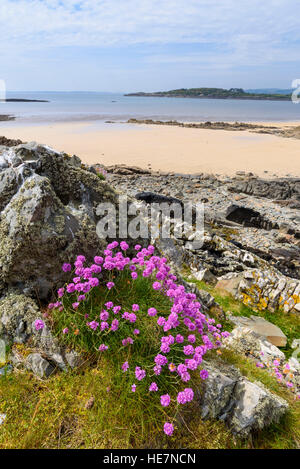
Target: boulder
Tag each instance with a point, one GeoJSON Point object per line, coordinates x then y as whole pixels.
{"type": "Point", "coordinates": [230, 283]}
{"type": "Point", "coordinates": [255, 408]}
{"type": "Point", "coordinates": [48, 202]}
{"type": "Point", "coordinates": [245, 341]}
{"type": "Point", "coordinates": [263, 328]}
{"type": "Point", "coordinates": [244, 406]}
{"type": "Point", "coordinates": [206, 276]}
{"type": "Point", "coordinates": [17, 313]}
{"type": "Point", "coordinates": [39, 365]}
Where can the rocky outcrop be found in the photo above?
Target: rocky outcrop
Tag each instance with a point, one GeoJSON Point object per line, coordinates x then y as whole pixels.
{"type": "Point", "coordinates": [278, 189]}
{"type": "Point", "coordinates": [264, 328]}
{"type": "Point", "coordinates": [247, 342]}
{"type": "Point", "coordinates": [243, 405]}
{"type": "Point", "coordinates": [48, 211]}
{"type": "Point", "coordinates": [263, 289]}
{"type": "Point", "coordinates": [248, 217]}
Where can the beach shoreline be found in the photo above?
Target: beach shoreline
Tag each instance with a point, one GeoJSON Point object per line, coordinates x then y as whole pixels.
{"type": "Point", "coordinates": [169, 148]}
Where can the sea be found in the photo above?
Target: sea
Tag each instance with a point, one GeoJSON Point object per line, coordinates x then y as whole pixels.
{"type": "Point", "coordinates": [97, 106]}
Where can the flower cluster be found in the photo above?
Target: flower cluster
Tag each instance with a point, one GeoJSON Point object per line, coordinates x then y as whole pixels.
{"type": "Point", "coordinates": [186, 334]}
{"type": "Point", "coordinates": [284, 372]}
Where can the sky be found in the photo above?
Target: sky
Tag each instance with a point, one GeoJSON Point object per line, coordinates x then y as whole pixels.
{"type": "Point", "coordinates": [148, 45]}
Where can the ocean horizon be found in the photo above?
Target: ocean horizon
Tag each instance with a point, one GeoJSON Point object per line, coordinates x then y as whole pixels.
{"type": "Point", "coordinates": [102, 106]}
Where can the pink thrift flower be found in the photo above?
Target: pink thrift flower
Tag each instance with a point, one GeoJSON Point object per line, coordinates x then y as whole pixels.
{"type": "Point", "coordinates": [203, 374]}
{"type": "Point", "coordinates": [125, 366]}
{"type": "Point", "coordinates": [39, 324]}
{"type": "Point", "coordinates": [152, 312]}
{"type": "Point", "coordinates": [165, 400]}
{"type": "Point", "coordinates": [103, 348]}
{"type": "Point", "coordinates": [124, 246]}
{"type": "Point", "coordinates": [66, 267]}
{"type": "Point", "coordinates": [168, 428]}
{"type": "Point", "coordinates": [153, 387]}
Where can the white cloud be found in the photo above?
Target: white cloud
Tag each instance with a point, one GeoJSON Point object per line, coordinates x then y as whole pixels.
{"type": "Point", "coordinates": [233, 33]}
{"type": "Point", "coordinates": [100, 23]}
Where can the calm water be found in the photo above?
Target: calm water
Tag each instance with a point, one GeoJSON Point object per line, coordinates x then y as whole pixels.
{"type": "Point", "coordinates": [88, 106]}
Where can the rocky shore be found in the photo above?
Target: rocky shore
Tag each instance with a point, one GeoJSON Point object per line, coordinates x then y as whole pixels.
{"type": "Point", "coordinates": [252, 229]}
{"type": "Point", "coordinates": [291, 131]}
{"type": "Point", "coordinates": [6, 117]}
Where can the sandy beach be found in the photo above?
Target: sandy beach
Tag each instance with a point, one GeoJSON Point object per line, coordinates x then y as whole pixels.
{"type": "Point", "coordinates": [166, 148]}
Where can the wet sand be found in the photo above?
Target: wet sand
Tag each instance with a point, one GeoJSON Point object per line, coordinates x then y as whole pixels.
{"type": "Point", "coordinates": [165, 148]}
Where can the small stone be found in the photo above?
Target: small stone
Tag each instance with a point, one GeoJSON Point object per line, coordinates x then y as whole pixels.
{"type": "Point", "coordinates": [39, 365]}
{"type": "Point", "coordinates": [89, 403]}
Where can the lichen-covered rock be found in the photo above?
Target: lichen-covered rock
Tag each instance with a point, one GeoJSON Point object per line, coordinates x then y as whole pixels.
{"type": "Point", "coordinates": [219, 387]}
{"type": "Point", "coordinates": [262, 327]}
{"type": "Point", "coordinates": [249, 343]}
{"type": "Point", "coordinates": [255, 408]}
{"type": "Point", "coordinates": [263, 289]}
{"type": "Point", "coordinates": [17, 314]}
{"type": "Point", "coordinates": [39, 366]}
{"type": "Point", "coordinates": [48, 214]}
{"type": "Point", "coordinates": [244, 406]}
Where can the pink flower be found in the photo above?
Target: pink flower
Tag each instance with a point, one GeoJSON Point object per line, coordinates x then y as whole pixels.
{"type": "Point", "coordinates": [110, 285]}
{"type": "Point", "coordinates": [153, 387]}
{"type": "Point", "coordinates": [103, 348]}
{"type": "Point", "coordinates": [133, 387]}
{"type": "Point", "coordinates": [93, 325]}
{"type": "Point", "coordinates": [65, 330]}
{"type": "Point", "coordinates": [165, 400]}
{"type": "Point", "coordinates": [203, 374]}
{"type": "Point", "coordinates": [125, 366]}
{"type": "Point", "coordinates": [124, 246]}
{"type": "Point", "coordinates": [152, 312]}
{"type": "Point", "coordinates": [168, 428]}
{"type": "Point", "coordinates": [135, 307]}
{"type": "Point", "coordinates": [66, 267]}
{"type": "Point", "coordinates": [39, 324]}
{"type": "Point", "coordinates": [139, 373]}
{"type": "Point", "coordinates": [98, 260]}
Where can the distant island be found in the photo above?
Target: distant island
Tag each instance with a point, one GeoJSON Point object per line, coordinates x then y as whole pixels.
{"type": "Point", "coordinates": [213, 93]}
{"type": "Point", "coordinates": [22, 100]}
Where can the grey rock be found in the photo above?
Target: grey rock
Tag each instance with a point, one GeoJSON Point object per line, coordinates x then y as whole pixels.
{"type": "Point", "coordinates": [244, 406]}
{"type": "Point", "coordinates": [206, 276]}
{"type": "Point", "coordinates": [262, 327]}
{"type": "Point", "coordinates": [48, 214]}
{"type": "Point", "coordinates": [255, 408]}
{"type": "Point", "coordinates": [39, 365]}
{"type": "Point", "coordinates": [245, 341]}
{"type": "Point", "coordinates": [17, 313]}
{"type": "Point", "coordinates": [74, 359]}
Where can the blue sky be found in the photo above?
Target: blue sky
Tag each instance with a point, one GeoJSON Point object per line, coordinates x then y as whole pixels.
{"type": "Point", "coordinates": [148, 45]}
